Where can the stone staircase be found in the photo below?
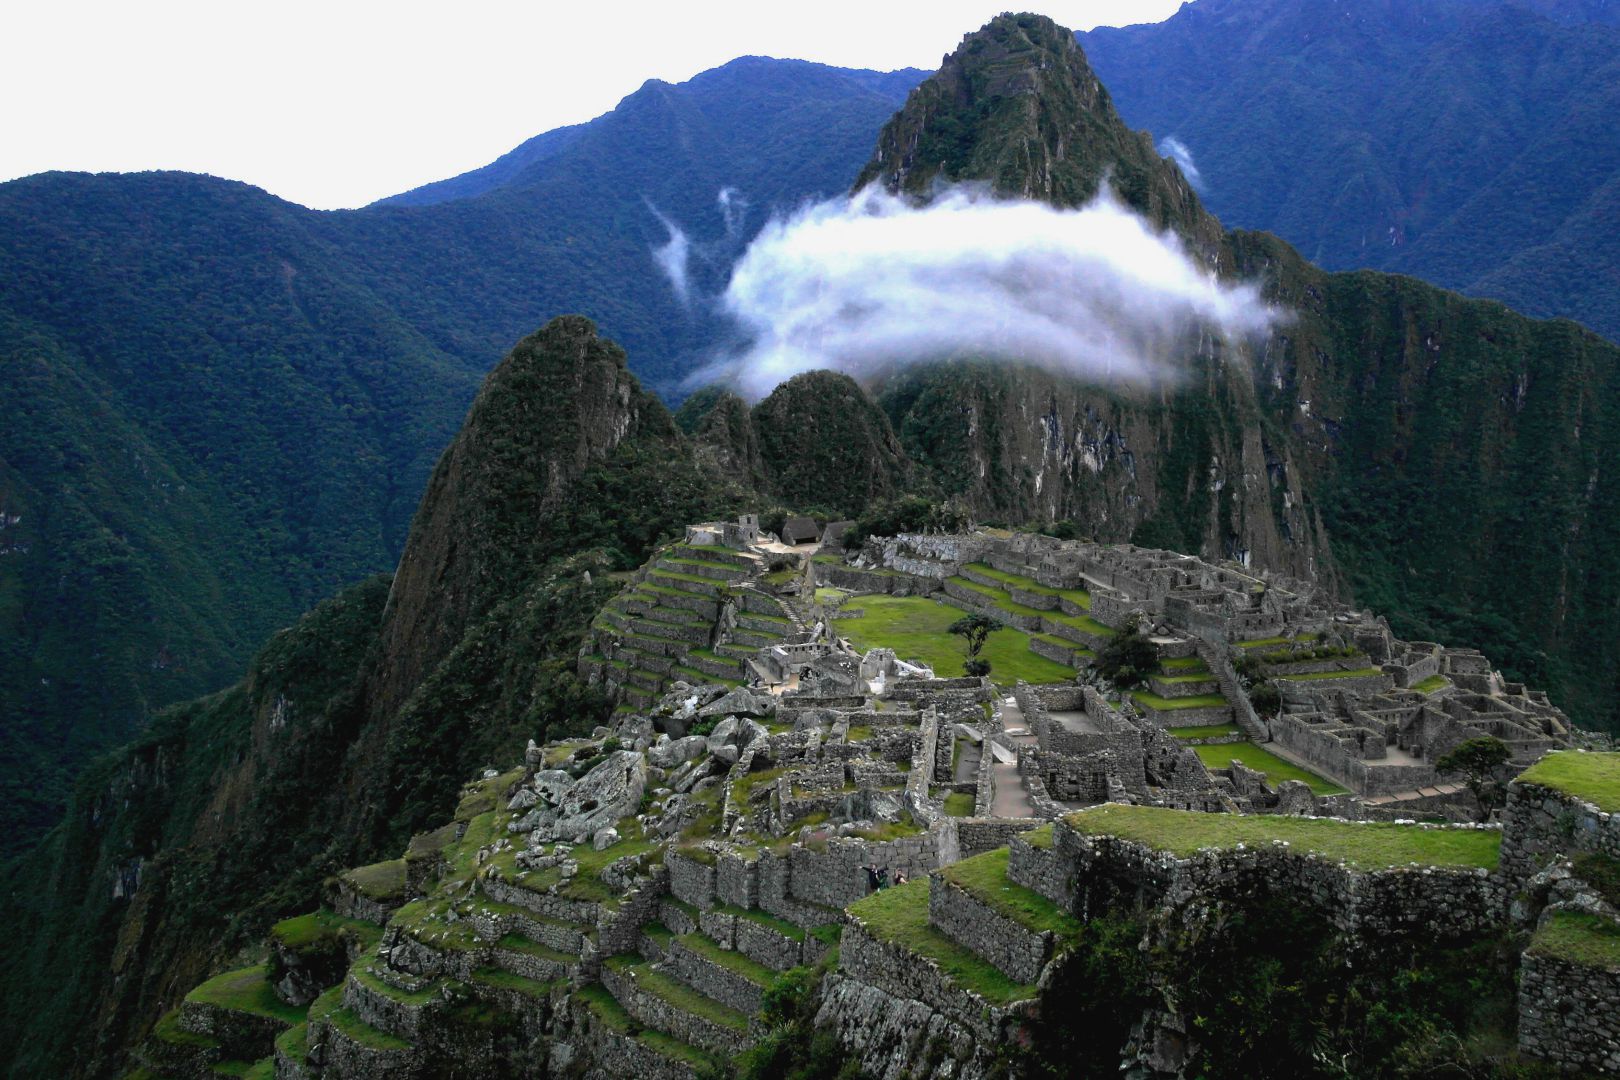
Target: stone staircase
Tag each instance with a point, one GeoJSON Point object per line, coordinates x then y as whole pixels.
{"type": "Point", "coordinates": [1226, 677]}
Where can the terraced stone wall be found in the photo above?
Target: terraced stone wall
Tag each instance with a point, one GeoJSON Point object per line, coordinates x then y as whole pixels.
{"type": "Point", "coordinates": [904, 974]}
{"type": "Point", "coordinates": [1541, 823]}
{"type": "Point", "coordinates": [966, 837]}
{"type": "Point", "coordinates": [1372, 908]}
{"type": "Point", "coordinates": [1016, 950]}
{"type": "Point", "coordinates": [1569, 1014]}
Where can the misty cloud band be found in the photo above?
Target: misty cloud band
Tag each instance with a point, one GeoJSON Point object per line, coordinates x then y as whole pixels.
{"type": "Point", "coordinates": [866, 283]}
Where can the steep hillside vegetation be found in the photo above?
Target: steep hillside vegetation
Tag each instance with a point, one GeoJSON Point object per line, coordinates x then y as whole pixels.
{"type": "Point", "coordinates": [1466, 142]}
{"type": "Point", "coordinates": [357, 726]}
{"type": "Point", "coordinates": [222, 407]}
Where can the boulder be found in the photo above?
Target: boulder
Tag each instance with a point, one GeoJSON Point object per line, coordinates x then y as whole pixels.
{"type": "Point", "coordinates": [749, 732]}
{"type": "Point", "coordinates": [604, 839]}
{"type": "Point", "coordinates": [728, 754]}
{"type": "Point", "coordinates": [668, 753]}
{"type": "Point", "coordinates": [723, 733]}
{"type": "Point", "coordinates": [741, 702]}
{"type": "Point", "coordinates": [551, 785]}
{"type": "Point", "coordinates": [598, 799]}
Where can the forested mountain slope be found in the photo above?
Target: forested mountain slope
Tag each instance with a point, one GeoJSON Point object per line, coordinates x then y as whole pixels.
{"type": "Point", "coordinates": [221, 407]}
{"type": "Point", "coordinates": [1466, 142]}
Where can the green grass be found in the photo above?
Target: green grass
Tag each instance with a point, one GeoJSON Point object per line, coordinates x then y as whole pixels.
{"type": "Point", "coordinates": [917, 628]}
{"type": "Point", "coordinates": [706, 564]}
{"type": "Point", "coordinates": [1211, 731]}
{"type": "Point", "coordinates": [1064, 643]}
{"type": "Point", "coordinates": [361, 972]}
{"type": "Point", "coordinates": [1589, 776]}
{"type": "Point", "coordinates": [899, 915]}
{"type": "Point", "coordinates": [1431, 684]}
{"type": "Point", "coordinates": [1220, 755]}
{"type": "Point", "coordinates": [383, 882]}
{"type": "Point", "coordinates": [1183, 663]}
{"type": "Point", "coordinates": [607, 1009]}
{"type": "Point", "coordinates": [529, 947]}
{"type": "Point", "coordinates": [959, 804]}
{"type": "Point", "coordinates": [1314, 676]}
{"type": "Point", "coordinates": [691, 579]}
{"type": "Point", "coordinates": [1040, 837]}
{"type": "Point", "coordinates": [730, 959]}
{"type": "Point", "coordinates": [744, 786]}
{"type": "Point", "coordinates": [766, 919]}
{"type": "Point", "coordinates": [1367, 846]}
{"type": "Point", "coordinates": [985, 878]}
{"type": "Point", "coordinates": [168, 1029]}
{"type": "Point", "coordinates": [678, 994]}
{"type": "Point", "coordinates": [1030, 585]}
{"type": "Point", "coordinates": [329, 1007]}
{"type": "Point", "coordinates": [1190, 677]}
{"type": "Point", "coordinates": [305, 933]}
{"type": "Point", "coordinates": [1201, 701]}
{"type": "Point", "coordinates": [294, 1042]}
{"type": "Point", "coordinates": [1579, 938]}
{"type": "Point", "coordinates": [246, 990]}
{"type": "Point", "coordinates": [506, 980]}
{"type": "Point", "coordinates": [587, 883]}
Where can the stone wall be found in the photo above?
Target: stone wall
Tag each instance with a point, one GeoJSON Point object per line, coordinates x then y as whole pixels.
{"type": "Point", "coordinates": [619, 930]}
{"type": "Point", "coordinates": [1569, 1014]}
{"type": "Point", "coordinates": [976, 835]}
{"type": "Point", "coordinates": [896, 1038]}
{"type": "Point", "coordinates": [1372, 908]}
{"type": "Point", "coordinates": [691, 881]}
{"type": "Point", "coordinates": [834, 878]}
{"type": "Point", "coordinates": [1018, 952]}
{"type": "Point", "coordinates": [654, 1012]}
{"type": "Point", "coordinates": [1540, 823]}
{"type": "Point", "coordinates": [737, 880]}
{"type": "Point", "coordinates": [904, 974]}
{"type": "Point", "coordinates": [711, 979]}
{"type": "Point", "coordinates": [1042, 870]}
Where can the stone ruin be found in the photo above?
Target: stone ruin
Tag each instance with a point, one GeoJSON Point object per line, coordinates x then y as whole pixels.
{"type": "Point", "coordinates": [629, 897]}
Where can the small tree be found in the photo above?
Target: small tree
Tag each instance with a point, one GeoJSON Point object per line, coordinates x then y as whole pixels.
{"type": "Point", "coordinates": [1478, 761]}
{"type": "Point", "coordinates": [976, 629]}
{"type": "Point", "coordinates": [1128, 657]}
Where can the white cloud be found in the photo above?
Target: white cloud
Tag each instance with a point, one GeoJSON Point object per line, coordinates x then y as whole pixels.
{"type": "Point", "coordinates": [869, 282]}
{"type": "Point", "coordinates": [733, 210]}
{"type": "Point", "coordinates": [673, 257]}
{"type": "Point", "coordinates": [1177, 151]}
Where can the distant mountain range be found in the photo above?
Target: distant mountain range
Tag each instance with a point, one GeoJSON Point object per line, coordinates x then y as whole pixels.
{"type": "Point", "coordinates": [220, 406]}
{"type": "Point", "coordinates": [1467, 142]}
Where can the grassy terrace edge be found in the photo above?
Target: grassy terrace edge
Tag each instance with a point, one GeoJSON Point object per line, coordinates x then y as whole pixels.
{"type": "Point", "coordinates": [1363, 845]}
{"type": "Point", "coordinates": [899, 916]}
{"type": "Point", "coordinates": [984, 877]}
{"type": "Point", "coordinates": [1592, 777]}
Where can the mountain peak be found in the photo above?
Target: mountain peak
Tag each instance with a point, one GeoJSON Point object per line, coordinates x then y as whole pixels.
{"type": "Point", "coordinates": [1017, 107]}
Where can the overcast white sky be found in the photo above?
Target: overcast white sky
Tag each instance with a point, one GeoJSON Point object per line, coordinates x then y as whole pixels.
{"type": "Point", "coordinates": [338, 103]}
